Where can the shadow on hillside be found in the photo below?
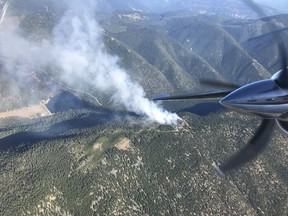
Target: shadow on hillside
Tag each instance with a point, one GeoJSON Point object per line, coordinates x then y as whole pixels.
{"type": "Point", "coordinates": [65, 101]}
{"type": "Point", "coordinates": [95, 116]}
{"type": "Point", "coordinates": [203, 109]}
{"type": "Point", "coordinates": [62, 130]}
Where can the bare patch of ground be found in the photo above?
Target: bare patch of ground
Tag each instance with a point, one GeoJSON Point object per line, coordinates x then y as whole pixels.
{"type": "Point", "coordinates": [123, 144]}
{"type": "Point", "coordinates": [27, 112]}
{"type": "Point", "coordinates": [97, 146]}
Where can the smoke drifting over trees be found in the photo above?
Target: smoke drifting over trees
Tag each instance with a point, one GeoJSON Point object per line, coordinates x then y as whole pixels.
{"type": "Point", "coordinates": [77, 53]}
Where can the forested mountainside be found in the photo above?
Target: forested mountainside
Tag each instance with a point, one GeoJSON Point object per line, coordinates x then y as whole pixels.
{"type": "Point", "coordinates": [90, 157]}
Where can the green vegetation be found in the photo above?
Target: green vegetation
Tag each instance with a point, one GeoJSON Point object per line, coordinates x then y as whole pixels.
{"type": "Point", "coordinates": [89, 160]}
{"type": "Point", "coordinates": [164, 170]}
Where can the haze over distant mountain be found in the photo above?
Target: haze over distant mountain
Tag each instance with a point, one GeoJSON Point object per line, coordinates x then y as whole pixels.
{"type": "Point", "coordinates": [232, 8]}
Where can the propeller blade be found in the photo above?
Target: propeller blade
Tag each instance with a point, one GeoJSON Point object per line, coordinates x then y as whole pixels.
{"type": "Point", "coordinates": [219, 84]}
{"type": "Point", "coordinates": [282, 78]}
{"type": "Point", "coordinates": [255, 7]}
{"type": "Point", "coordinates": [218, 94]}
{"type": "Point", "coordinates": [258, 142]}
{"type": "Point", "coordinates": [284, 55]}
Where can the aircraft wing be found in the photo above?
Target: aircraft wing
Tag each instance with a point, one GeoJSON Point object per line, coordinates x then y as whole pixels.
{"type": "Point", "coordinates": [210, 95]}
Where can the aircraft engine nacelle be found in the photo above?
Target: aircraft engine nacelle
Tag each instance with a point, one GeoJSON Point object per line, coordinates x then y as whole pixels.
{"type": "Point", "coordinates": [283, 125]}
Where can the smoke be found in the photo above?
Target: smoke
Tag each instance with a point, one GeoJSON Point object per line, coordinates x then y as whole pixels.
{"type": "Point", "coordinates": [78, 54]}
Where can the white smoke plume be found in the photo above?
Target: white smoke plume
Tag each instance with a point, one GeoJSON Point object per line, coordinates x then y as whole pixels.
{"type": "Point", "coordinates": [79, 55]}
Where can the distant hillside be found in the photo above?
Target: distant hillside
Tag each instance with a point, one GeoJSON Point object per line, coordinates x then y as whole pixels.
{"type": "Point", "coordinates": [233, 8]}
{"type": "Point", "coordinates": [217, 47]}
{"type": "Point", "coordinates": [259, 41]}
{"type": "Point", "coordinates": [178, 49]}
{"type": "Point", "coordinates": [24, 87]}
{"type": "Point", "coordinates": [140, 70]}
{"type": "Point", "coordinates": [192, 46]}
{"type": "Point", "coordinates": [265, 48]}
{"type": "Point", "coordinates": [181, 67]}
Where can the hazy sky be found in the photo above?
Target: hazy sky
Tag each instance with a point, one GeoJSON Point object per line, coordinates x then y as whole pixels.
{"type": "Point", "coordinates": [274, 3]}
{"type": "Point", "coordinates": [277, 4]}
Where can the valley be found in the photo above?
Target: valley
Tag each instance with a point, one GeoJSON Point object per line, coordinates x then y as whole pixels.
{"type": "Point", "coordinates": [70, 147]}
